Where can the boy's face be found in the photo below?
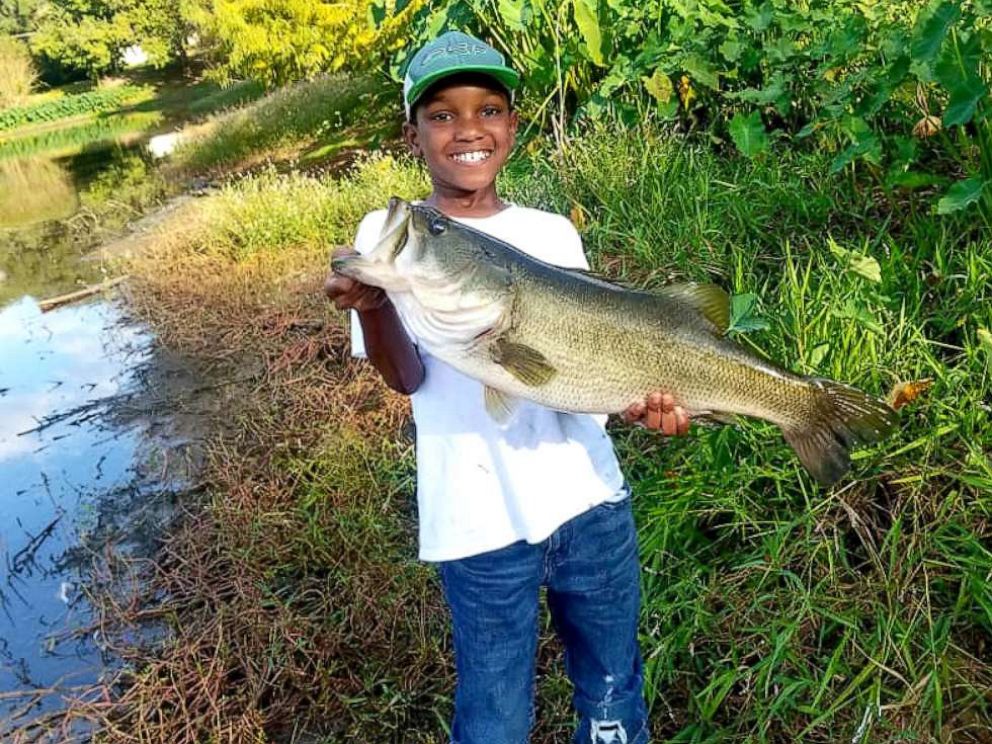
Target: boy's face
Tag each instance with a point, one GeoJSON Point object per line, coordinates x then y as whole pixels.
{"type": "Point", "coordinates": [465, 130]}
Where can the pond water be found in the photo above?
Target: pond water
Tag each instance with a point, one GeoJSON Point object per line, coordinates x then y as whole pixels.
{"type": "Point", "coordinates": [82, 480]}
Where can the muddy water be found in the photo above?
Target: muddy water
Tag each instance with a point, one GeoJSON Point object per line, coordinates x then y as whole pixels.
{"type": "Point", "coordinates": [87, 463]}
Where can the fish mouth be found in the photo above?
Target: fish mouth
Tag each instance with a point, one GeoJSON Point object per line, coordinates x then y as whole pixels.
{"type": "Point", "coordinates": [396, 215]}
{"type": "Point", "coordinates": [394, 233]}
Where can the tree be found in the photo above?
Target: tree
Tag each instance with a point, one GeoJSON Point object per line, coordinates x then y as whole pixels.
{"type": "Point", "coordinates": [277, 41]}
{"type": "Point", "coordinates": [90, 35]}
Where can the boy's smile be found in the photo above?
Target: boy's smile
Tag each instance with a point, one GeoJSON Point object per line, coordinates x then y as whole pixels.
{"type": "Point", "coordinates": [464, 129]}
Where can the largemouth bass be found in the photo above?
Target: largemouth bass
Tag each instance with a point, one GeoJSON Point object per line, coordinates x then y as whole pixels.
{"type": "Point", "coordinates": [573, 342]}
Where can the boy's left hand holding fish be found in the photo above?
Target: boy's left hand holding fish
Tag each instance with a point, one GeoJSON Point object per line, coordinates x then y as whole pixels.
{"type": "Point", "coordinates": [659, 411]}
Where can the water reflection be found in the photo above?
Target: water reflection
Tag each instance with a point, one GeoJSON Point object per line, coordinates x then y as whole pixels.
{"type": "Point", "coordinates": [56, 472]}
{"type": "Point", "coordinates": [34, 190]}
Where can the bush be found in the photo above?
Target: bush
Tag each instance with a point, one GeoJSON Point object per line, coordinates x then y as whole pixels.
{"type": "Point", "coordinates": [17, 73]}
{"type": "Point", "coordinates": [91, 102]}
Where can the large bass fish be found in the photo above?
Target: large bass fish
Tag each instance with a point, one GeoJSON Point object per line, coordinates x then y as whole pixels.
{"type": "Point", "coordinates": [573, 342]}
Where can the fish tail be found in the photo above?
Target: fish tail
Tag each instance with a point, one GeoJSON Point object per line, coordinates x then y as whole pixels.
{"type": "Point", "coordinates": [839, 418]}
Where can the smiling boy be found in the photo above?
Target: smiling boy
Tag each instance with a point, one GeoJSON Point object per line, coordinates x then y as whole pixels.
{"type": "Point", "coordinates": [541, 501]}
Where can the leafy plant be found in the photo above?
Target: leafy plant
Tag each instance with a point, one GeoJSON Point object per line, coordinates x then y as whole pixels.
{"type": "Point", "coordinates": [94, 101]}
{"type": "Point", "coordinates": [91, 35]}
{"type": "Point", "coordinates": [17, 72]}
{"type": "Point", "coordinates": [280, 41]}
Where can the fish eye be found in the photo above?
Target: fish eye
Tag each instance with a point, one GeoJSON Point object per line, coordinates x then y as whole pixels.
{"type": "Point", "coordinates": [437, 226]}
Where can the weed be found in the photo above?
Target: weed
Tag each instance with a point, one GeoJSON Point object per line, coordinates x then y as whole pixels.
{"type": "Point", "coordinates": [773, 611]}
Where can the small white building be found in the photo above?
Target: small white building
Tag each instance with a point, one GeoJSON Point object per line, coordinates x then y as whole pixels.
{"type": "Point", "coordinates": [133, 56]}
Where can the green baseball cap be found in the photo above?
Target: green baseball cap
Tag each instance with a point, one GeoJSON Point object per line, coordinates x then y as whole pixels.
{"type": "Point", "coordinates": [449, 54]}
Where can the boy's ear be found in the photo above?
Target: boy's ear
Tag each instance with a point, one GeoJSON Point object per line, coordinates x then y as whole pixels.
{"type": "Point", "coordinates": [412, 138]}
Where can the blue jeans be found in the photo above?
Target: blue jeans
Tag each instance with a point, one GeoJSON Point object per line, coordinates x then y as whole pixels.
{"type": "Point", "coordinates": [589, 566]}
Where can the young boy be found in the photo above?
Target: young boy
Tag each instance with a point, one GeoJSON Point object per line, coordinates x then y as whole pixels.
{"type": "Point", "coordinates": [504, 510]}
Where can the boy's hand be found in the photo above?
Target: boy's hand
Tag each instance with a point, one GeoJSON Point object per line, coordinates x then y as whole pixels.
{"type": "Point", "coordinates": [350, 294]}
{"type": "Point", "coordinates": [659, 411]}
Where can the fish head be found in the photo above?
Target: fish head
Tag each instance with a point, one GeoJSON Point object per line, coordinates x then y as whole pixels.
{"type": "Point", "coordinates": [378, 267]}
{"type": "Point", "coordinates": [439, 261]}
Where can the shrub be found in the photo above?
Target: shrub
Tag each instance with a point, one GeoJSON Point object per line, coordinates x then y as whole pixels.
{"type": "Point", "coordinates": [17, 73]}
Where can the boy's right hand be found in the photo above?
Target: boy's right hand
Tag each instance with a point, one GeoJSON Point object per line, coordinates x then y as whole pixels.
{"type": "Point", "coordinates": [349, 294]}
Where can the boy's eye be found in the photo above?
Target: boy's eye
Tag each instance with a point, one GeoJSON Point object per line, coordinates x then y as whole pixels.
{"type": "Point", "coordinates": [440, 116]}
{"type": "Point", "coordinates": [492, 111]}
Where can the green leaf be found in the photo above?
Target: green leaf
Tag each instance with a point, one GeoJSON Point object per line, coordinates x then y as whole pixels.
{"type": "Point", "coordinates": [659, 85]}
{"type": "Point", "coordinates": [731, 49]}
{"type": "Point", "coordinates": [963, 102]}
{"type": "Point", "coordinates": [853, 311]}
{"type": "Point", "coordinates": [960, 195]}
{"type": "Point", "coordinates": [587, 19]}
{"type": "Point", "coordinates": [985, 340]}
{"type": "Point", "coordinates": [867, 147]}
{"type": "Point", "coordinates": [957, 69]}
{"type": "Point", "coordinates": [818, 354]}
{"type": "Point", "coordinates": [701, 71]}
{"type": "Point", "coordinates": [760, 18]}
{"type": "Point", "coordinates": [748, 133]}
{"type": "Point", "coordinates": [742, 317]}
{"type": "Point", "coordinates": [912, 180]}
{"type": "Point", "coordinates": [860, 263]}
{"type": "Point", "coordinates": [931, 30]}
{"type": "Point", "coordinates": [515, 14]}
{"type": "Point", "coordinates": [774, 92]}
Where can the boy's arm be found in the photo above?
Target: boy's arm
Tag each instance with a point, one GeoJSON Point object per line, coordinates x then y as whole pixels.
{"type": "Point", "coordinates": [386, 343]}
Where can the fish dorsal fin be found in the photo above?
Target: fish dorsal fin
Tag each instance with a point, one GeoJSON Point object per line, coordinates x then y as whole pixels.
{"type": "Point", "coordinates": [499, 406]}
{"type": "Point", "coordinates": [709, 299]}
{"type": "Point", "coordinates": [525, 363]}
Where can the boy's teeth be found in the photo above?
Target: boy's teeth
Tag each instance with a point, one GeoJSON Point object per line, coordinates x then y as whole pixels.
{"type": "Point", "coordinates": [471, 157]}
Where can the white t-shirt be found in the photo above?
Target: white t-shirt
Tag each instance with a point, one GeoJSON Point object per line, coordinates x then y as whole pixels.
{"type": "Point", "coordinates": [480, 485]}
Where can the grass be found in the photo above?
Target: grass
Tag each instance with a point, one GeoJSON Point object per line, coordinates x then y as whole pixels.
{"type": "Point", "coordinates": [312, 121]}
{"type": "Point", "coordinates": [774, 610]}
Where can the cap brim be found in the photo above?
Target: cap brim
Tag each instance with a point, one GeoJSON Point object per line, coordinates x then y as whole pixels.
{"type": "Point", "coordinates": [509, 78]}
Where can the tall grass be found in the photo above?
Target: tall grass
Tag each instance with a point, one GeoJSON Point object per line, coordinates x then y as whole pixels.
{"type": "Point", "coordinates": [18, 74]}
{"type": "Point", "coordinates": [288, 122]}
{"type": "Point", "coordinates": [774, 610]}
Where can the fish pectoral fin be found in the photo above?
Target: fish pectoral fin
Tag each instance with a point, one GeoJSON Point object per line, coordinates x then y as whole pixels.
{"type": "Point", "coordinates": [709, 299]}
{"type": "Point", "coordinates": [499, 405]}
{"type": "Point", "coordinates": [527, 364]}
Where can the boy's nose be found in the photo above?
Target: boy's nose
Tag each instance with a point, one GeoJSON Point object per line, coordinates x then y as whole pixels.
{"type": "Point", "coordinates": [468, 131]}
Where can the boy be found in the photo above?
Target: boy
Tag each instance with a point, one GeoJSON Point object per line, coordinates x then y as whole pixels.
{"type": "Point", "coordinates": [541, 501]}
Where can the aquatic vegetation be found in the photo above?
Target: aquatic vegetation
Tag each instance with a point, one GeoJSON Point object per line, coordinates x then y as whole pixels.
{"type": "Point", "coordinates": [66, 141]}
{"type": "Point", "coordinates": [64, 107]}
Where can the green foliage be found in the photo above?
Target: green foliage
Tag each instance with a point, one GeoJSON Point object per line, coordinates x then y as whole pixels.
{"type": "Point", "coordinates": [91, 35]}
{"type": "Point", "coordinates": [17, 73]}
{"type": "Point", "coordinates": [91, 102]}
{"type": "Point", "coordinates": [748, 133]}
{"type": "Point", "coordinates": [772, 610]}
{"type": "Point", "coordinates": [308, 114]}
{"type": "Point", "coordinates": [16, 16]}
{"type": "Point", "coordinates": [280, 41]}
{"type": "Point", "coordinates": [842, 75]}
{"type": "Point", "coordinates": [64, 141]}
